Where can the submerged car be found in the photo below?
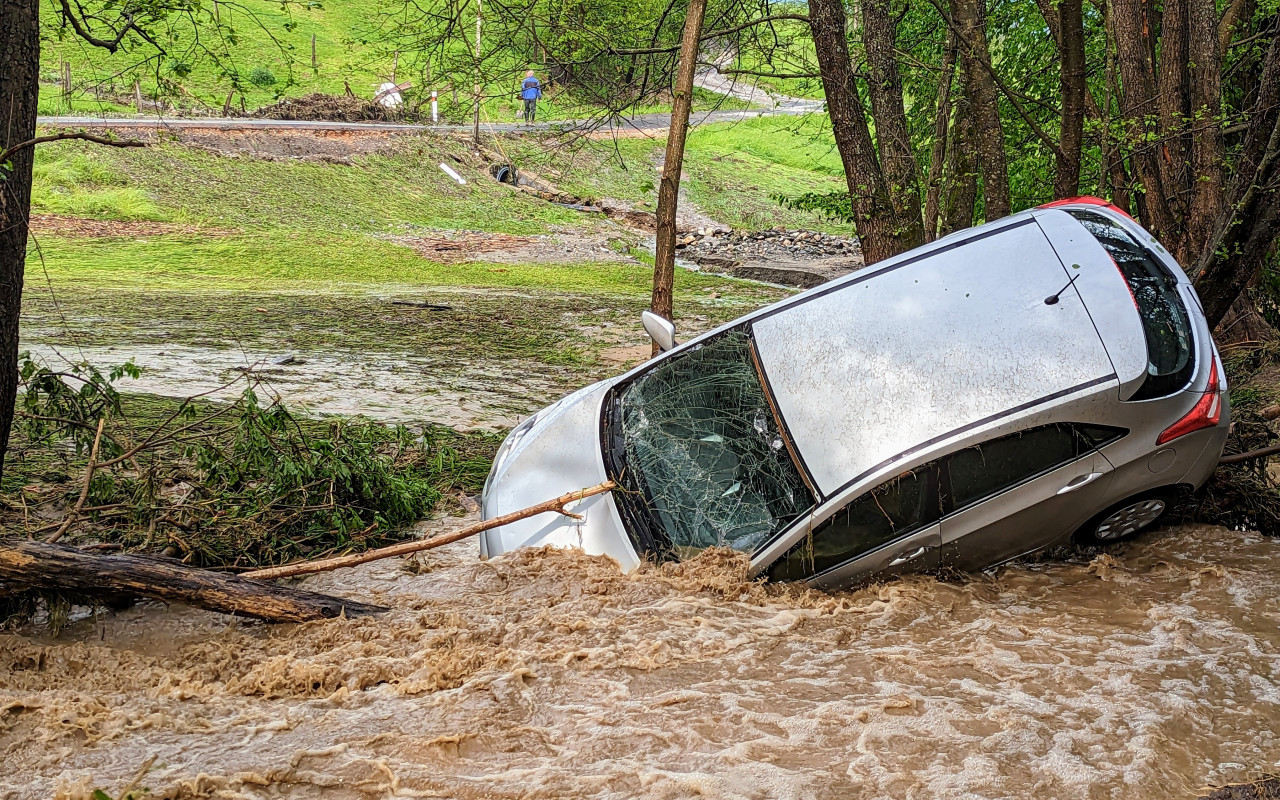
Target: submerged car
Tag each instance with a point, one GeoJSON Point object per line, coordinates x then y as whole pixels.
{"type": "Point", "coordinates": [1046, 376]}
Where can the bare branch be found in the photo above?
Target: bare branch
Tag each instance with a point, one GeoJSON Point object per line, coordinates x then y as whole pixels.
{"type": "Point", "coordinates": [56, 137]}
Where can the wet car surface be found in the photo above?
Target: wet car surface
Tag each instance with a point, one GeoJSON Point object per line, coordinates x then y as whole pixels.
{"type": "Point", "coordinates": [1002, 390]}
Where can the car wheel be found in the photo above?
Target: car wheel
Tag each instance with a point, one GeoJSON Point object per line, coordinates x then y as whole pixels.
{"type": "Point", "coordinates": [1126, 519]}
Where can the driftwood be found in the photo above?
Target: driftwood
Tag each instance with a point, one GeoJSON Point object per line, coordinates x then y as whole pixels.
{"type": "Point", "coordinates": [1249, 456]}
{"type": "Point", "coordinates": [26, 563]}
{"type": "Point", "coordinates": [405, 548]}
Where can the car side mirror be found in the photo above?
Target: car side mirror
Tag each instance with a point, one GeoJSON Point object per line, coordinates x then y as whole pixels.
{"type": "Point", "coordinates": [660, 330]}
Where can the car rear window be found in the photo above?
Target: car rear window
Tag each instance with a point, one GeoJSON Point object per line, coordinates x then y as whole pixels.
{"type": "Point", "coordinates": [696, 442]}
{"type": "Point", "coordinates": [1170, 354]}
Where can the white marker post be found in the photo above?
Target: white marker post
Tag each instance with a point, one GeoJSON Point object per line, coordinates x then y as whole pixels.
{"type": "Point", "coordinates": [435, 108]}
{"type": "Point", "coordinates": [450, 172]}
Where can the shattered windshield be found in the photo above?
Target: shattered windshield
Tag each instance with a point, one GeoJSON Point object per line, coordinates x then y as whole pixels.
{"type": "Point", "coordinates": [702, 453]}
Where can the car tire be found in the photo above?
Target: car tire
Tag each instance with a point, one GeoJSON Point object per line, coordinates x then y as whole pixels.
{"type": "Point", "coordinates": [1127, 519]}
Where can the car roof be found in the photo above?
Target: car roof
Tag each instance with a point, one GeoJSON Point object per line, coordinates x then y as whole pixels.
{"type": "Point", "coordinates": [937, 341]}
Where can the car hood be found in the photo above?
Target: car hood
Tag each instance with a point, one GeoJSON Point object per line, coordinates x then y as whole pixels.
{"type": "Point", "coordinates": [554, 452]}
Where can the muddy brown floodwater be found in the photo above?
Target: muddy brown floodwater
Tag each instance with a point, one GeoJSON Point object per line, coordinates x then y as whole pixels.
{"type": "Point", "coordinates": [1145, 672]}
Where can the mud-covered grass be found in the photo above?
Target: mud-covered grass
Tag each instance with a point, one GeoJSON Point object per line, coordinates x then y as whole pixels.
{"type": "Point", "coordinates": [197, 495]}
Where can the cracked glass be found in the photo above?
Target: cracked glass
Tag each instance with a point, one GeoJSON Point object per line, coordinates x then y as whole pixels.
{"type": "Point", "coordinates": [702, 446]}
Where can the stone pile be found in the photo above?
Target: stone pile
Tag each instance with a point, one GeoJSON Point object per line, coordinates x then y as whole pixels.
{"type": "Point", "coordinates": [722, 246]}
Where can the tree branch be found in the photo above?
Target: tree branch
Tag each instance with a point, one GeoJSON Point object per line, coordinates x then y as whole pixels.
{"type": "Point", "coordinates": [57, 137]}
{"type": "Point", "coordinates": [82, 30]}
{"type": "Point", "coordinates": [710, 35]}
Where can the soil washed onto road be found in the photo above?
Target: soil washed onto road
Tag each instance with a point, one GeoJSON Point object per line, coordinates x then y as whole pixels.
{"type": "Point", "coordinates": [1144, 672]}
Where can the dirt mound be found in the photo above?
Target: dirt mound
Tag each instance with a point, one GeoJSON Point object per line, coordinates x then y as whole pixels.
{"type": "Point", "coordinates": [326, 108]}
{"type": "Point", "coordinates": [57, 225]}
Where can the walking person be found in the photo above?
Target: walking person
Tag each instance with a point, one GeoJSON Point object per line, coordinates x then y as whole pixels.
{"type": "Point", "coordinates": [531, 93]}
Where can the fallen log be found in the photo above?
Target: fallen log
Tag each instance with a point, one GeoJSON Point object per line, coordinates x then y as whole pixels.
{"type": "Point", "coordinates": [25, 563]}
{"type": "Point", "coordinates": [405, 548]}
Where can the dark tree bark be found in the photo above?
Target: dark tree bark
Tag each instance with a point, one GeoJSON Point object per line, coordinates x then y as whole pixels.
{"type": "Point", "coordinates": [897, 158]}
{"type": "Point", "coordinates": [1066, 176]}
{"type": "Point", "coordinates": [941, 133]}
{"type": "Point", "coordinates": [1249, 220]}
{"type": "Point", "coordinates": [19, 87]}
{"type": "Point", "coordinates": [1173, 100]}
{"type": "Point", "coordinates": [664, 266]}
{"type": "Point", "coordinates": [984, 106]}
{"type": "Point", "coordinates": [1207, 154]}
{"type": "Point", "coordinates": [1131, 20]}
{"type": "Point", "coordinates": [41, 565]}
{"type": "Point", "coordinates": [962, 172]}
{"type": "Point", "coordinates": [872, 209]}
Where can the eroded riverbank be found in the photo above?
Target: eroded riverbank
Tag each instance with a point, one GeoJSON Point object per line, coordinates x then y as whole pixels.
{"type": "Point", "coordinates": [1140, 673]}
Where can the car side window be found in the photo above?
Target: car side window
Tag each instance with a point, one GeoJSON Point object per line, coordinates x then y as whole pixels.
{"type": "Point", "coordinates": [1165, 322]}
{"type": "Point", "coordinates": [886, 513]}
{"type": "Point", "coordinates": [987, 469]}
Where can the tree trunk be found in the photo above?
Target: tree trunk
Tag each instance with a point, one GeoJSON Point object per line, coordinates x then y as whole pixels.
{"type": "Point", "coordinates": [962, 172]}
{"type": "Point", "coordinates": [1249, 220]}
{"type": "Point", "coordinates": [1131, 22]}
{"type": "Point", "coordinates": [664, 265]}
{"type": "Point", "coordinates": [872, 209]}
{"type": "Point", "coordinates": [1173, 100]}
{"type": "Point", "coordinates": [984, 107]}
{"type": "Point", "coordinates": [1066, 174]}
{"type": "Point", "coordinates": [1207, 157]}
{"type": "Point", "coordinates": [41, 565]}
{"type": "Point", "coordinates": [897, 158]}
{"type": "Point", "coordinates": [19, 87]}
{"type": "Point", "coordinates": [941, 128]}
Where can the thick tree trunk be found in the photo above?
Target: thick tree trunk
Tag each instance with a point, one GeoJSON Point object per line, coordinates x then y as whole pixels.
{"type": "Point", "coordinates": [962, 172]}
{"type": "Point", "coordinates": [1131, 20]}
{"type": "Point", "coordinates": [1173, 101]}
{"type": "Point", "coordinates": [1249, 220]}
{"type": "Point", "coordinates": [19, 87]}
{"type": "Point", "coordinates": [1207, 156]}
{"type": "Point", "coordinates": [40, 565]}
{"type": "Point", "coordinates": [897, 158]}
{"type": "Point", "coordinates": [664, 266]}
{"type": "Point", "coordinates": [984, 106]}
{"type": "Point", "coordinates": [1066, 176]}
{"type": "Point", "coordinates": [941, 134]}
{"type": "Point", "coordinates": [872, 209]}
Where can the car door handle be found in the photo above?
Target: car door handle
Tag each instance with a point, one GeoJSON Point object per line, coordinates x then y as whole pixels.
{"type": "Point", "coordinates": [908, 557]}
{"type": "Point", "coordinates": [1080, 482]}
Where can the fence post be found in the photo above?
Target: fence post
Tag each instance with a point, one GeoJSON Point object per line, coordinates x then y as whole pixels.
{"type": "Point", "coordinates": [66, 82]}
{"type": "Point", "coordinates": [314, 64]}
{"type": "Point", "coordinates": [435, 108]}
{"type": "Point", "coordinates": [137, 95]}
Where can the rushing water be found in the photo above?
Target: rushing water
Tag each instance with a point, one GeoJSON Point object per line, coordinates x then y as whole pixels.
{"type": "Point", "coordinates": [1142, 673]}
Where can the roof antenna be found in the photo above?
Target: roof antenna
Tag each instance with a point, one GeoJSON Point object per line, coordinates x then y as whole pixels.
{"type": "Point", "coordinates": [1052, 300]}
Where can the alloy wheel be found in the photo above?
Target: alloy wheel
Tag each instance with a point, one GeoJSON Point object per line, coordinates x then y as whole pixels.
{"type": "Point", "coordinates": [1130, 519]}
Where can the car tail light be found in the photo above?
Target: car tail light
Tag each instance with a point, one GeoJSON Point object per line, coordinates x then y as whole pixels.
{"type": "Point", "coordinates": [1207, 411]}
{"type": "Point", "coordinates": [1086, 200]}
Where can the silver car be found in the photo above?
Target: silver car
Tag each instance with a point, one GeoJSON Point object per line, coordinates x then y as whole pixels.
{"type": "Point", "coordinates": [999, 391]}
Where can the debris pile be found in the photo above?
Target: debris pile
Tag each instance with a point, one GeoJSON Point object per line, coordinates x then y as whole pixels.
{"type": "Point", "coordinates": [327, 108]}
{"type": "Point", "coordinates": [776, 241]}
{"type": "Point", "coordinates": [790, 257]}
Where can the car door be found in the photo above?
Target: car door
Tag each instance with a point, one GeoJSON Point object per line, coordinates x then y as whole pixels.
{"type": "Point", "coordinates": [890, 529]}
{"type": "Point", "coordinates": [1016, 494]}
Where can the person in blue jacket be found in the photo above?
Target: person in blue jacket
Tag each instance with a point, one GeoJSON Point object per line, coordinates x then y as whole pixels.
{"type": "Point", "coordinates": [530, 92]}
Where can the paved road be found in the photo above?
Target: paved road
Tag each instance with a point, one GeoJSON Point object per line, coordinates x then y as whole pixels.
{"type": "Point", "coordinates": [770, 106]}
{"type": "Point", "coordinates": [643, 122]}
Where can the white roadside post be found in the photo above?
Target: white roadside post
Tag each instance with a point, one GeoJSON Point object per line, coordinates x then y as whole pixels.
{"type": "Point", "coordinates": [435, 108]}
